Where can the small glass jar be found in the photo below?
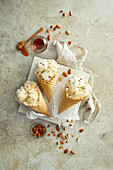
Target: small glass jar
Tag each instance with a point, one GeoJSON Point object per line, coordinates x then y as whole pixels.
{"type": "Point", "coordinates": [39, 44]}
{"type": "Point", "coordinates": [31, 130]}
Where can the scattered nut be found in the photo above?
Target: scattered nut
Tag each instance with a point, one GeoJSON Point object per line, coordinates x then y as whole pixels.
{"type": "Point", "coordinates": [58, 26]}
{"type": "Point", "coordinates": [64, 74]}
{"type": "Point", "coordinates": [63, 137]}
{"type": "Point", "coordinates": [67, 141]}
{"type": "Point", "coordinates": [49, 135]}
{"type": "Point", "coordinates": [49, 37]}
{"type": "Point", "coordinates": [57, 143]}
{"type": "Point", "coordinates": [57, 128]}
{"type": "Point", "coordinates": [81, 130]}
{"type": "Point", "coordinates": [77, 139]}
{"type": "Point", "coordinates": [62, 142]}
{"type": "Point", "coordinates": [69, 71]}
{"type": "Point", "coordinates": [34, 134]}
{"type": "Point", "coordinates": [70, 13]}
{"type": "Point", "coordinates": [70, 124]}
{"type": "Point", "coordinates": [54, 29]}
{"type": "Point", "coordinates": [60, 79]}
{"type": "Point", "coordinates": [56, 138]}
{"type": "Point", "coordinates": [64, 129]}
{"type": "Point", "coordinates": [69, 42]}
{"type": "Point", "coordinates": [64, 14]}
{"type": "Point", "coordinates": [48, 126]}
{"type": "Point", "coordinates": [72, 121]}
{"type": "Point", "coordinates": [72, 136]}
{"type": "Point", "coordinates": [59, 134]}
{"type": "Point", "coordinates": [54, 134]}
{"type": "Point", "coordinates": [66, 151]}
{"type": "Point", "coordinates": [48, 30]}
{"type": "Point", "coordinates": [53, 131]}
{"type": "Point", "coordinates": [52, 26]}
{"type": "Point", "coordinates": [73, 152]}
{"type": "Point", "coordinates": [67, 120]}
{"type": "Point", "coordinates": [61, 11]}
{"type": "Point", "coordinates": [67, 32]}
{"type": "Point", "coordinates": [60, 147]}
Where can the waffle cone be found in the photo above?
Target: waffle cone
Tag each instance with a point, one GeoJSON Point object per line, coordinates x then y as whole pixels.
{"type": "Point", "coordinates": [48, 87]}
{"type": "Point", "coordinates": [42, 106]}
{"type": "Point", "coordinates": [68, 102]}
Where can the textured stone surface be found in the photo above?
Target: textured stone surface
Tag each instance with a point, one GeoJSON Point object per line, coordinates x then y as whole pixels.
{"type": "Point", "coordinates": [91, 26]}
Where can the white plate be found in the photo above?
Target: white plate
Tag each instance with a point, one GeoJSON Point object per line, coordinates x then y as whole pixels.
{"type": "Point", "coordinates": [71, 113]}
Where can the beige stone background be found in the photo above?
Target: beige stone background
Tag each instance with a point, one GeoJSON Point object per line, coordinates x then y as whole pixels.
{"type": "Point", "coordinates": [92, 27]}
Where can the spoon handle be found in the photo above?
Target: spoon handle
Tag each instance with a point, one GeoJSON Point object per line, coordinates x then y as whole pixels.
{"type": "Point", "coordinates": [40, 30]}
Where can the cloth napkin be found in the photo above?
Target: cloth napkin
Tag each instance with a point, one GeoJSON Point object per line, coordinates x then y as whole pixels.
{"type": "Point", "coordinates": [91, 106]}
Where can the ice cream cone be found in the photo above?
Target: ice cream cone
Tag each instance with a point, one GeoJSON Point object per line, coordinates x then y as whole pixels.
{"type": "Point", "coordinates": [42, 106]}
{"type": "Point", "coordinates": [30, 95]}
{"type": "Point", "coordinates": [76, 90]}
{"type": "Point", "coordinates": [48, 87]}
{"type": "Point", "coordinates": [68, 102]}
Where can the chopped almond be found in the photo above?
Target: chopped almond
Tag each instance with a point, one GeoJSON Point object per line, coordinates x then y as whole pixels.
{"type": "Point", "coordinates": [48, 30]}
{"type": "Point", "coordinates": [60, 79]}
{"type": "Point", "coordinates": [67, 32]}
{"type": "Point", "coordinates": [60, 147]}
{"type": "Point", "coordinates": [62, 142]}
{"type": "Point", "coordinates": [64, 74]}
{"type": "Point", "coordinates": [58, 26]}
{"type": "Point", "coordinates": [69, 42]}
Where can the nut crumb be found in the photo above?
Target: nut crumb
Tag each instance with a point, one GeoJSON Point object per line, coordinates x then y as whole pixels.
{"type": "Point", "coordinates": [60, 79]}
{"type": "Point", "coordinates": [62, 142]}
{"type": "Point", "coordinates": [70, 13]}
{"type": "Point", "coordinates": [48, 126]}
{"type": "Point", "coordinates": [57, 128]}
{"type": "Point", "coordinates": [57, 143]}
{"type": "Point", "coordinates": [64, 129]}
{"type": "Point", "coordinates": [59, 135]}
{"type": "Point", "coordinates": [69, 71]}
{"type": "Point", "coordinates": [69, 42]}
{"type": "Point", "coordinates": [54, 134]}
{"type": "Point", "coordinates": [53, 131]}
{"type": "Point", "coordinates": [67, 120]}
{"type": "Point", "coordinates": [70, 124]}
{"type": "Point", "coordinates": [66, 151]}
{"type": "Point", "coordinates": [81, 130]}
{"type": "Point", "coordinates": [64, 74]}
{"type": "Point", "coordinates": [73, 152]}
{"type": "Point", "coordinates": [77, 139]}
{"type": "Point", "coordinates": [63, 137]}
{"type": "Point", "coordinates": [52, 26]}
{"type": "Point", "coordinates": [67, 141]}
{"type": "Point", "coordinates": [67, 32]}
{"type": "Point", "coordinates": [60, 147]}
{"type": "Point", "coordinates": [60, 32]}
{"type": "Point", "coordinates": [49, 37]}
{"type": "Point", "coordinates": [72, 136]}
{"type": "Point", "coordinates": [61, 11]}
{"type": "Point", "coordinates": [58, 26]}
{"type": "Point", "coordinates": [48, 30]}
{"type": "Point", "coordinates": [64, 14]}
{"type": "Point", "coordinates": [54, 29]}
{"type": "Point", "coordinates": [72, 121]}
{"type": "Point", "coordinates": [56, 138]}
{"type": "Point", "coordinates": [49, 135]}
